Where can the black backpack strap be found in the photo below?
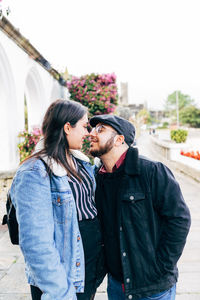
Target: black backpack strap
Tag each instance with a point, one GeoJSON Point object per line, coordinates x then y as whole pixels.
{"type": "Point", "coordinates": [4, 220]}
{"type": "Point", "coordinates": [11, 221]}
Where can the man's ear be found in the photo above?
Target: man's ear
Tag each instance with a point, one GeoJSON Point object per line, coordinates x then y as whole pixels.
{"type": "Point", "coordinates": [119, 140]}
{"type": "Point", "coordinates": [67, 128]}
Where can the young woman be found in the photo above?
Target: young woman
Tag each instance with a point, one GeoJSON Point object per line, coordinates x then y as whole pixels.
{"type": "Point", "coordinates": [53, 193]}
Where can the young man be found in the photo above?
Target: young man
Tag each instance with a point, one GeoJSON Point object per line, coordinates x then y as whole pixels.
{"type": "Point", "coordinates": [144, 218]}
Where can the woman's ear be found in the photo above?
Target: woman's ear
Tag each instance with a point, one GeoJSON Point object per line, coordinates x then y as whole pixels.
{"type": "Point", "coordinates": [67, 128]}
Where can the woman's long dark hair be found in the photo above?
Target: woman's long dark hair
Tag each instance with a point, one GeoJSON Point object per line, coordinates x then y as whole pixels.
{"type": "Point", "coordinates": [54, 137]}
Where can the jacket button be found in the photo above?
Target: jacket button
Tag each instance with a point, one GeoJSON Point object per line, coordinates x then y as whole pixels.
{"type": "Point", "coordinates": [78, 264]}
{"type": "Point", "coordinates": [128, 280]}
{"type": "Point", "coordinates": [78, 238]}
{"type": "Point", "coordinates": [130, 297]}
{"type": "Point", "coordinates": [124, 253]}
{"type": "Point", "coordinates": [58, 199]}
{"type": "Point", "coordinates": [131, 197]}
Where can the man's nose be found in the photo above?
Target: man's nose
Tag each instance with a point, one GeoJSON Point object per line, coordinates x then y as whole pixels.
{"type": "Point", "coordinates": [93, 132]}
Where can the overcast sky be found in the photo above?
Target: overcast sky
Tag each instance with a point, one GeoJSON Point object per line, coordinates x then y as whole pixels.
{"type": "Point", "coordinates": [152, 44]}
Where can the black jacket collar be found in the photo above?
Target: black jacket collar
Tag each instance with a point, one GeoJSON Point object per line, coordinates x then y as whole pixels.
{"type": "Point", "coordinates": [132, 166]}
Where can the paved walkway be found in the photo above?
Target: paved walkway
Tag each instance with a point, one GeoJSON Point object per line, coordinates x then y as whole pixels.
{"type": "Point", "coordinates": [13, 284]}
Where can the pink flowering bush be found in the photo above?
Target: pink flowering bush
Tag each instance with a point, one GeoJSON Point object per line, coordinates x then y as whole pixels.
{"type": "Point", "coordinates": [97, 92]}
{"type": "Point", "coordinates": [29, 140]}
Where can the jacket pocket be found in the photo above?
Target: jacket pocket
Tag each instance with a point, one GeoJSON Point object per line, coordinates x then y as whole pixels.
{"type": "Point", "coordinates": [133, 197]}
{"type": "Point", "coordinates": [133, 208]}
{"type": "Point", "coordinates": [62, 207]}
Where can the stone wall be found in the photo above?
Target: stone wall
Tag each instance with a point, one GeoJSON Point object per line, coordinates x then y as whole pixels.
{"type": "Point", "coordinates": [168, 149]}
{"type": "Point", "coordinates": [171, 152]}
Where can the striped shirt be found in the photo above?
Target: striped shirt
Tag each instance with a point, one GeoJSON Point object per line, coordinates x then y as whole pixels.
{"type": "Point", "coordinates": [83, 193]}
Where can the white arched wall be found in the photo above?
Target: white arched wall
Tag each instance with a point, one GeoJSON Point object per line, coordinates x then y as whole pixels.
{"type": "Point", "coordinates": [8, 116]}
{"type": "Point", "coordinates": [35, 97]}
{"type": "Point", "coordinates": [55, 92]}
{"type": "Point", "coordinates": [20, 75]}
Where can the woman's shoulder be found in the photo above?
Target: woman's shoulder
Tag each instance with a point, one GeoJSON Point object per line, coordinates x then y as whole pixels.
{"type": "Point", "coordinates": [32, 164]}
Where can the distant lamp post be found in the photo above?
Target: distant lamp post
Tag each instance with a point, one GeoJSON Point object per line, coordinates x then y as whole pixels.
{"type": "Point", "coordinates": [177, 109]}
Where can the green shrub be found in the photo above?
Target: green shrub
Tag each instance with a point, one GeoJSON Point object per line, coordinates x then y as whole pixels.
{"type": "Point", "coordinates": [165, 125]}
{"type": "Point", "coordinates": [179, 135]}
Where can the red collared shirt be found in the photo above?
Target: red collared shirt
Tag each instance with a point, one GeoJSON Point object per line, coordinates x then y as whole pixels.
{"type": "Point", "coordinates": [116, 166]}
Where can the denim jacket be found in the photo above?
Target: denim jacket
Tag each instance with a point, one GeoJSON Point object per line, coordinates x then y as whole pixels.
{"type": "Point", "coordinates": [49, 235]}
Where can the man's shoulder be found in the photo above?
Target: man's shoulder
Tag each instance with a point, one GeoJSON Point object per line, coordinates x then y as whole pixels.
{"type": "Point", "coordinates": [148, 162]}
{"type": "Point", "coordinates": [155, 169]}
{"type": "Point", "coordinates": [143, 161]}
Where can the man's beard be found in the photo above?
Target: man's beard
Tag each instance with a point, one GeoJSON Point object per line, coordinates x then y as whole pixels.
{"type": "Point", "coordinates": [103, 149]}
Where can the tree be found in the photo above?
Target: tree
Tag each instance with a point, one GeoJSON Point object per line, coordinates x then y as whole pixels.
{"type": "Point", "coordinates": [183, 100]}
{"type": "Point", "coordinates": [144, 116]}
{"type": "Point", "coordinates": [124, 112]}
{"type": "Point", "coordinates": [190, 115]}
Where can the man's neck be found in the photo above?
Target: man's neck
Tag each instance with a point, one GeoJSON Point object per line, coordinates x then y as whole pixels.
{"type": "Point", "coordinates": [109, 159]}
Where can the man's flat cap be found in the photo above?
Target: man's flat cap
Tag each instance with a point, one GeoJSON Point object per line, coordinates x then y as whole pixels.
{"type": "Point", "coordinates": [121, 125]}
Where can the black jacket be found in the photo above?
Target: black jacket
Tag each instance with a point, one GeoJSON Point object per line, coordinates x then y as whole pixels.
{"type": "Point", "coordinates": [153, 223]}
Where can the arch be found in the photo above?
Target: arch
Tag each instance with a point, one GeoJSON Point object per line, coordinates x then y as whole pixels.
{"type": "Point", "coordinates": [35, 97]}
{"type": "Point", "coordinates": [55, 92]}
{"type": "Point", "coordinates": [8, 115]}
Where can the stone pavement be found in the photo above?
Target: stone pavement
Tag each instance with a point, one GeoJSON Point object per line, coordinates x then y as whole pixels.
{"type": "Point", "coordinates": [13, 284]}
